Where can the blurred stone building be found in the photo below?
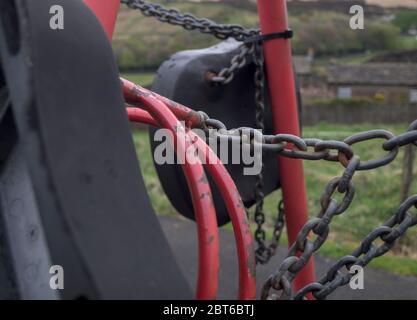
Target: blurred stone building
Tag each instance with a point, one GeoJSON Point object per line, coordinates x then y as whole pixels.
{"type": "Point", "coordinates": [394, 83]}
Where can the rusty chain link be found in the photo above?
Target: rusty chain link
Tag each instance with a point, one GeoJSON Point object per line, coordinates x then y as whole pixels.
{"type": "Point", "coordinates": [190, 22]}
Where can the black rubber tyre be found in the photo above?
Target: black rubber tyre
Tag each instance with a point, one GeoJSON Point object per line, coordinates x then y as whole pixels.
{"type": "Point", "coordinates": [71, 189]}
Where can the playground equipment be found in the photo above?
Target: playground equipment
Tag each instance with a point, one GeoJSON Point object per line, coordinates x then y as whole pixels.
{"type": "Point", "coordinates": [233, 103]}
{"type": "Point", "coordinates": [72, 193]}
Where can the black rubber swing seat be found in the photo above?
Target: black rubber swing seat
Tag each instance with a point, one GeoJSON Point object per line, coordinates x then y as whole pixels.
{"type": "Point", "coordinates": [71, 189]}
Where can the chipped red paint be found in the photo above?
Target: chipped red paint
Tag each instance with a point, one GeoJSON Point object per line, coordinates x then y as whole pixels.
{"type": "Point", "coordinates": [233, 201]}
{"type": "Point", "coordinates": [208, 238]}
{"type": "Point", "coordinates": [133, 94]}
{"type": "Point", "coordinates": [237, 212]}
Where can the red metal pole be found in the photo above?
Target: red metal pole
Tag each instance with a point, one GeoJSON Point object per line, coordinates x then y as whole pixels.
{"type": "Point", "coordinates": [106, 11]}
{"type": "Point", "coordinates": [277, 52]}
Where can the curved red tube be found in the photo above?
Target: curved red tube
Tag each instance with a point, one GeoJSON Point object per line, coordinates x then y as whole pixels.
{"type": "Point", "coordinates": [208, 239]}
{"type": "Point", "coordinates": [133, 93]}
{"type": "Point", "coordinates": [241, 228]}
{"type": "Point", "coordinates": [142, 116]}
{"type": "Point", "coordinates": [237, 212]}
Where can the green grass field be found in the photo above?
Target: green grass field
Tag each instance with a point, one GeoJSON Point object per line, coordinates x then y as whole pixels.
{"type": "Point", "coordinates": [144, 79]}
{"type": "Point", "coordinates": [377, 195]}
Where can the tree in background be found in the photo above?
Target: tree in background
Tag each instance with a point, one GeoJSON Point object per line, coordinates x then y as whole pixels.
{"type": "Point", "coordinates": [329, 34]}
{"type": "Point", "coordinates": [405, 20]}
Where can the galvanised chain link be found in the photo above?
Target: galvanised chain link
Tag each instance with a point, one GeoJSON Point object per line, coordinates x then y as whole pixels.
{"type": "Point", "coordinates": [190, 22]}
{"type": "Point", "coordinates": [292, 146]}
{"type": "Point", "coordinates": [389, 232]}
{"type": "Point", "coordinates": [264, 251]}
{"type": "Point", "coordinates": [304, 247]}
{"type": "Point", "coordinates": [259, 79]}
{"type": "Point", "coordinates": [238, 61]}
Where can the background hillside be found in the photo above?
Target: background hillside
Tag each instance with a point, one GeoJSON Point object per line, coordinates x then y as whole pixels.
{"type": "Point", "coordinates": [386, 3]}
{"type": "Point", "coordinates": [394, 3]}
{"type": "Point", "coordinates": [142, 43]}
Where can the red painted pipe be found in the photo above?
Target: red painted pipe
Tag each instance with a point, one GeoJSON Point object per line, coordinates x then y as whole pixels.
{"type": "Point", "coordinates": [227, 187]}
{"type": "Point", "coordinates": [273, 18]}
{"type": "Point", "coordinates": [208, 239]}
{"type": "Point", "coordinates": [132, 91]}
{"type": "Point", "coordinates": [141, 116]}
{"type": "Point", "coordinates": [241, 227]}
{"type": "Point", "coordinates": [106, 11]}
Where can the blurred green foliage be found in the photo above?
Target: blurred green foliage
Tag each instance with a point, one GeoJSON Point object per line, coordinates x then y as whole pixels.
{"type": "Point", "coordinates": [351, 102]}
{"type": "Point", "coordinates": [329, 34]}
{"type": "Point", "coordinates": [143, 43]}
{"type": "Point", "coordinates": [405, 20]}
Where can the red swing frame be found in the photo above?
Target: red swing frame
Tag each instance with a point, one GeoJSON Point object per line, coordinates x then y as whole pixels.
{"type": "Point", "coordinates": [273, 18]}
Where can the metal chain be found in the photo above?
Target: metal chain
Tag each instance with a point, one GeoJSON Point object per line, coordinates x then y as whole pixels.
{"type": "Point", "coordinates": [317, 149]}
{"type": "Point", "coordinates": [304, 247]}
{"type": "Point", "coordinates": [190, 22]}
{"type": "Point", "coordinates": [237, 62]}
{"type": "Point", "coordinates": [264, 251]}
{"type": "Point", "coordinates": [389, 232]}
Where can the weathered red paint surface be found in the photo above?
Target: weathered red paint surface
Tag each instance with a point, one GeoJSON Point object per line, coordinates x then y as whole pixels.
{"type": "Point", "coordinates": [241, 227]}
{"type": "Point", "coordinates": [133, 92]}
{"type": "Point", "coordinates": [208, 239]}
{"type": "Point", "coordinates": [237, 212]}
